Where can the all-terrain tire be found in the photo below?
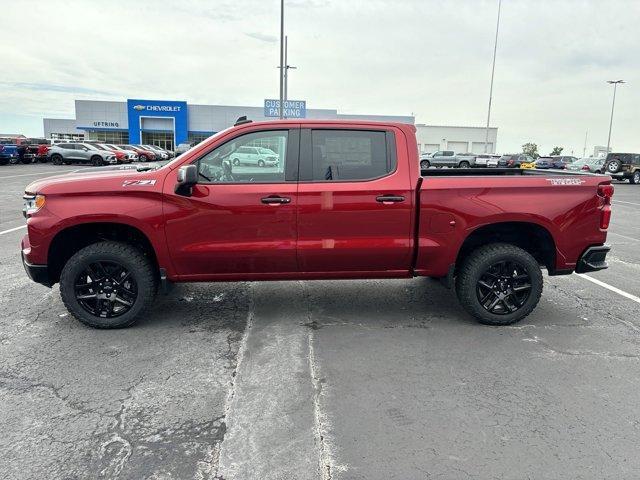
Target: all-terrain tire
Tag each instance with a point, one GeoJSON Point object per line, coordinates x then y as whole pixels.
{"type": "Point", "coordinates": [613, 166]}
{"type": "Point", "coordinates": [635, 178]}
{"type": "Point", "coordinates": [477, 263]}
{"type": "Point", "coordinates": [129, 257]}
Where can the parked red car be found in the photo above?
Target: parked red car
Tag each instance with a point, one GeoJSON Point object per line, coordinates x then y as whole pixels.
{"type": "Point", "coordinates": [346, 200]}
{"type": "Point", "coordinates": [143, 154]}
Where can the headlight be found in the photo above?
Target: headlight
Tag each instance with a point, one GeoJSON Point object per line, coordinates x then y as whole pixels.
{"type": "Point", "coordinates": [32, 203]}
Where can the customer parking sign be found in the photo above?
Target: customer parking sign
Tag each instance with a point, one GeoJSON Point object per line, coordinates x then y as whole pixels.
{"type": "Point", "coordinates": [292, 108]}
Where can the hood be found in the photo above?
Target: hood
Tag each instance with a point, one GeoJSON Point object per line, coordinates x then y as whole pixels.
{"type": "Point", "coordinates": [100, 179]}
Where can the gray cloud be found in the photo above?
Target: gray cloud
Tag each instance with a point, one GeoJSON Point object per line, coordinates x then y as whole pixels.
{"type": "Point", "coordinates": [431, 57]}
{"type": "Point", "coordinates": [262, 37]}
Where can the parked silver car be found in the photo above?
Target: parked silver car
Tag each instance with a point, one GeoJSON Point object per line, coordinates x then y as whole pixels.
{"type": "Point", "coordinates": [161, 154]}
{"type": "Point", "coordinates": [68, 153]}
{"type": "Point", "coordinates": [589, 164]}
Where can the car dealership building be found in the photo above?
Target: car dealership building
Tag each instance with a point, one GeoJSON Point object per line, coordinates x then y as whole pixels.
{"type": "Point", "coordinates": [168, 123]}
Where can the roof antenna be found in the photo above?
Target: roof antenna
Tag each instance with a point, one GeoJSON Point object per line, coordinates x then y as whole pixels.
{"type": "Point", "coordinates": [241, 121]}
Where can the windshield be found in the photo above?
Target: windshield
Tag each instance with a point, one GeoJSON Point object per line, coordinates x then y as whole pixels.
{"type": "Point", "coordinates": [101, 147]}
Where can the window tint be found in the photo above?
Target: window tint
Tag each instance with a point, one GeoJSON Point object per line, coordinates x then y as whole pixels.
{"type": "Point", "coordinates": [349, 155]}
{"type": "Point", "coordinates": [448, 153]}
{"type": "Point", "coordinates": [69, 146]}
{"type": "Point", "coordinates": [229, 163]}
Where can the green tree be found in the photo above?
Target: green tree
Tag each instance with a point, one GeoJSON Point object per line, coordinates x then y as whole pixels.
{"type": "Point", "coordinates": [530, 149]}
{"type": "Point", "coordinates": [557, 151]}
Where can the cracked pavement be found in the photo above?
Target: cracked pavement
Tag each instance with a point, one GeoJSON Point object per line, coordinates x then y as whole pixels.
{"type": "Point", "coordinates": [322, 380]}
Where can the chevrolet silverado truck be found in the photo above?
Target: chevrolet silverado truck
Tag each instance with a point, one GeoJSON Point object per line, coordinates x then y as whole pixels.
{"type": "Point", "coordinates": [346, 200]}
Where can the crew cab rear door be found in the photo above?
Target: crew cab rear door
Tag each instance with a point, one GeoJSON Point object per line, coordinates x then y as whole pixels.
{"type": "Point", "coordinates": [240, 220]}
{"type": "Point", "coordinates": [354, 201]}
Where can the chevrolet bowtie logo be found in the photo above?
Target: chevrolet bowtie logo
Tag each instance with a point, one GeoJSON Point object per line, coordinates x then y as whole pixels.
{"type": "Point", "coordinates": [138, 107]}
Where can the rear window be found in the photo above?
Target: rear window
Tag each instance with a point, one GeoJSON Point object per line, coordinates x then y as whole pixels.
{"type": "Point", "coordinates": [349, 155]}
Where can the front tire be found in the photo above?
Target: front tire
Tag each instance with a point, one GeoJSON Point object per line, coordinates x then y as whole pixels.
{"type": "Point", "coordinates": [499, 284]}
{"type": "Point", "coordinates": [424, 164]}
{"type": "Point", "coordinates": [97, 160]}
{"type": "Point", "coordinates": [235, 161]}
{"type": "Point", "coordinates": [108, 285]}
{"type": "Point", "coordinates": [261, 163]}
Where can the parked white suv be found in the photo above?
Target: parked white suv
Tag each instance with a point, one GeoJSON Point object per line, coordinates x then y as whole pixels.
{"type": "Point", "coordinates": [259, 156]}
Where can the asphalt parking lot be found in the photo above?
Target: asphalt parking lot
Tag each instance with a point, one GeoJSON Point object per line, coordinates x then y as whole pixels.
{"type": "Point", "coordinates": [322, 380]}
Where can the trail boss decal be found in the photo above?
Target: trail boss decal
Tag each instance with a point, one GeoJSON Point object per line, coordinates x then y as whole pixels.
{"type": "Point", "coordinates": [565, 181]}
{"type": "Point", "coordinates": [138, 183]}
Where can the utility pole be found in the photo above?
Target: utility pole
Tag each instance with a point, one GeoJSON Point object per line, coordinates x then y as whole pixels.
{"type": "Point", "coordinates": [613, 104]}
{"type": "Point", "coordinates": [493, 69]}
{"type": "Point", "coordinates": [281, 58]}
{"type": "Point", "coordinates": [286, 68]}
{"type": "Point", "coordinates": [584, 150]}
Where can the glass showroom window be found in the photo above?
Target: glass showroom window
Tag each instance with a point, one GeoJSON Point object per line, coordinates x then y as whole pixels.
{"type": "Point", "coordinates": [198, 137]}
{"type": "Point", "coordinates": [117, 138]}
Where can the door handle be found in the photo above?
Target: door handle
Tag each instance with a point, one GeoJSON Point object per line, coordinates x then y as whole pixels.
{"type": "Point", "coordinates": [275, 200]}
{"type": "Point", "coordinates": [389, 198]}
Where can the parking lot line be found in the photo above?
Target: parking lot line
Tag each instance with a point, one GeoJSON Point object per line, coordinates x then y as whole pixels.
{"type": "Point", "coordinates": [12, 229]}
{"type": "Point", "coordinates": [610, 287]}
{"type": "Point", "coordinates": [33, 174]}
{"type": "Point", "coordinates": [624, 236]}
{"type": "Point", "coordinates": [622, 201]}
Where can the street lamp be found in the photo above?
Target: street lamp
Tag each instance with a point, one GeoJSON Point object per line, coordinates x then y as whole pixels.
{"type": "Point", "coordinates": [281, 58]}
{"type": "Point", "coordinates": [613, 104]}
{"type": "Point", "coordinates": [493, 69]}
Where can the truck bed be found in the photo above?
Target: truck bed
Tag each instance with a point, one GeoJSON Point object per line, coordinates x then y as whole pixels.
{"type": "Point", "coordinates": [472, 172]}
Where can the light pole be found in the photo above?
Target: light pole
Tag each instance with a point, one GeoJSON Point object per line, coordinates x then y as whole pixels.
{"type": "Point", "coordinates": [493, 69]}
{"type": "Point", "coordinates": [281, 57]}
{"type": "Point", "coordinates": [286, 68]}
{"type": "Point", "coordinates": [613, 104]}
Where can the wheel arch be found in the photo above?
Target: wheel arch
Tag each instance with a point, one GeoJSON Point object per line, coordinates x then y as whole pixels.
{"type": "Point", "coordinates": [73, 238]}
{"type": "Point", "coordinates": [531, 237]}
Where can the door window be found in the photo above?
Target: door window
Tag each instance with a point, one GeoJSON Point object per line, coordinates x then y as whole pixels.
{"type": "Point", "coordinates": [224, 163]}
{"type": "Point", "coordinates": [349, 155]}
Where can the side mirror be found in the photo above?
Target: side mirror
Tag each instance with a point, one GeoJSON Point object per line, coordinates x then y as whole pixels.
{"type": "Point", "coordinates": [187, 178]}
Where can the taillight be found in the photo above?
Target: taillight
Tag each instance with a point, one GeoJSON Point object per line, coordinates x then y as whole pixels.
{"type": "Point", "coordinates": [605, 192]}
{"type": "Point", "coordinates": [585, 167]}
{"type": "Point", "coordinates": [510, 162]}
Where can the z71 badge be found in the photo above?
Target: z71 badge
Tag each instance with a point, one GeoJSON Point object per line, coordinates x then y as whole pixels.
{"type": "Point", "coordinates": [138, 183]}
{"type": "Point", "coordinates": [565, 181]}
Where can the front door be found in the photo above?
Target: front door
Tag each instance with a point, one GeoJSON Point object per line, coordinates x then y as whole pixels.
{"type": "Point", "coordinates": [240, 221]}
{"type": "Point", "coordinates": [355, 202]}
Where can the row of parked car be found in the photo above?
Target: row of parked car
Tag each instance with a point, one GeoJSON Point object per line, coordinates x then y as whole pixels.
{"type": "Point", "coordinates": [621, 166]}
{"type": "Point", "coordinates": [30, 150]}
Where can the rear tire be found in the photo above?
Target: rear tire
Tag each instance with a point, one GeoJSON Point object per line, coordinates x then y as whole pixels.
{"type": "Point", "coordinates": [464, 164]}
{"type": "Point", "coordinates": [635, 178]}
{"type": "Point", "coordinates": [56, 159]}
{"type": "Point", "coordinates": [132, 260]}
{"type": "Point", "coordinates": [516, 291]}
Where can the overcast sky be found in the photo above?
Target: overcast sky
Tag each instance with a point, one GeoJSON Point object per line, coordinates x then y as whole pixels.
{"type": "Point", "coordinates": [426, 57]}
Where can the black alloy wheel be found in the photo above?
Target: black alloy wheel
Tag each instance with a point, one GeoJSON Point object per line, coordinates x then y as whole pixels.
{"type": "Point", "coordinates": [106, 289]}
{"type": "Point", "coordinates": [503, 288]}
{"type": "Point", "coordinates": [56, 159]}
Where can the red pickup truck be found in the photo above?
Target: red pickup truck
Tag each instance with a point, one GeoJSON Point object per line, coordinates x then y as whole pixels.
{"type": "Point", "coordinates": [344, 200]}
